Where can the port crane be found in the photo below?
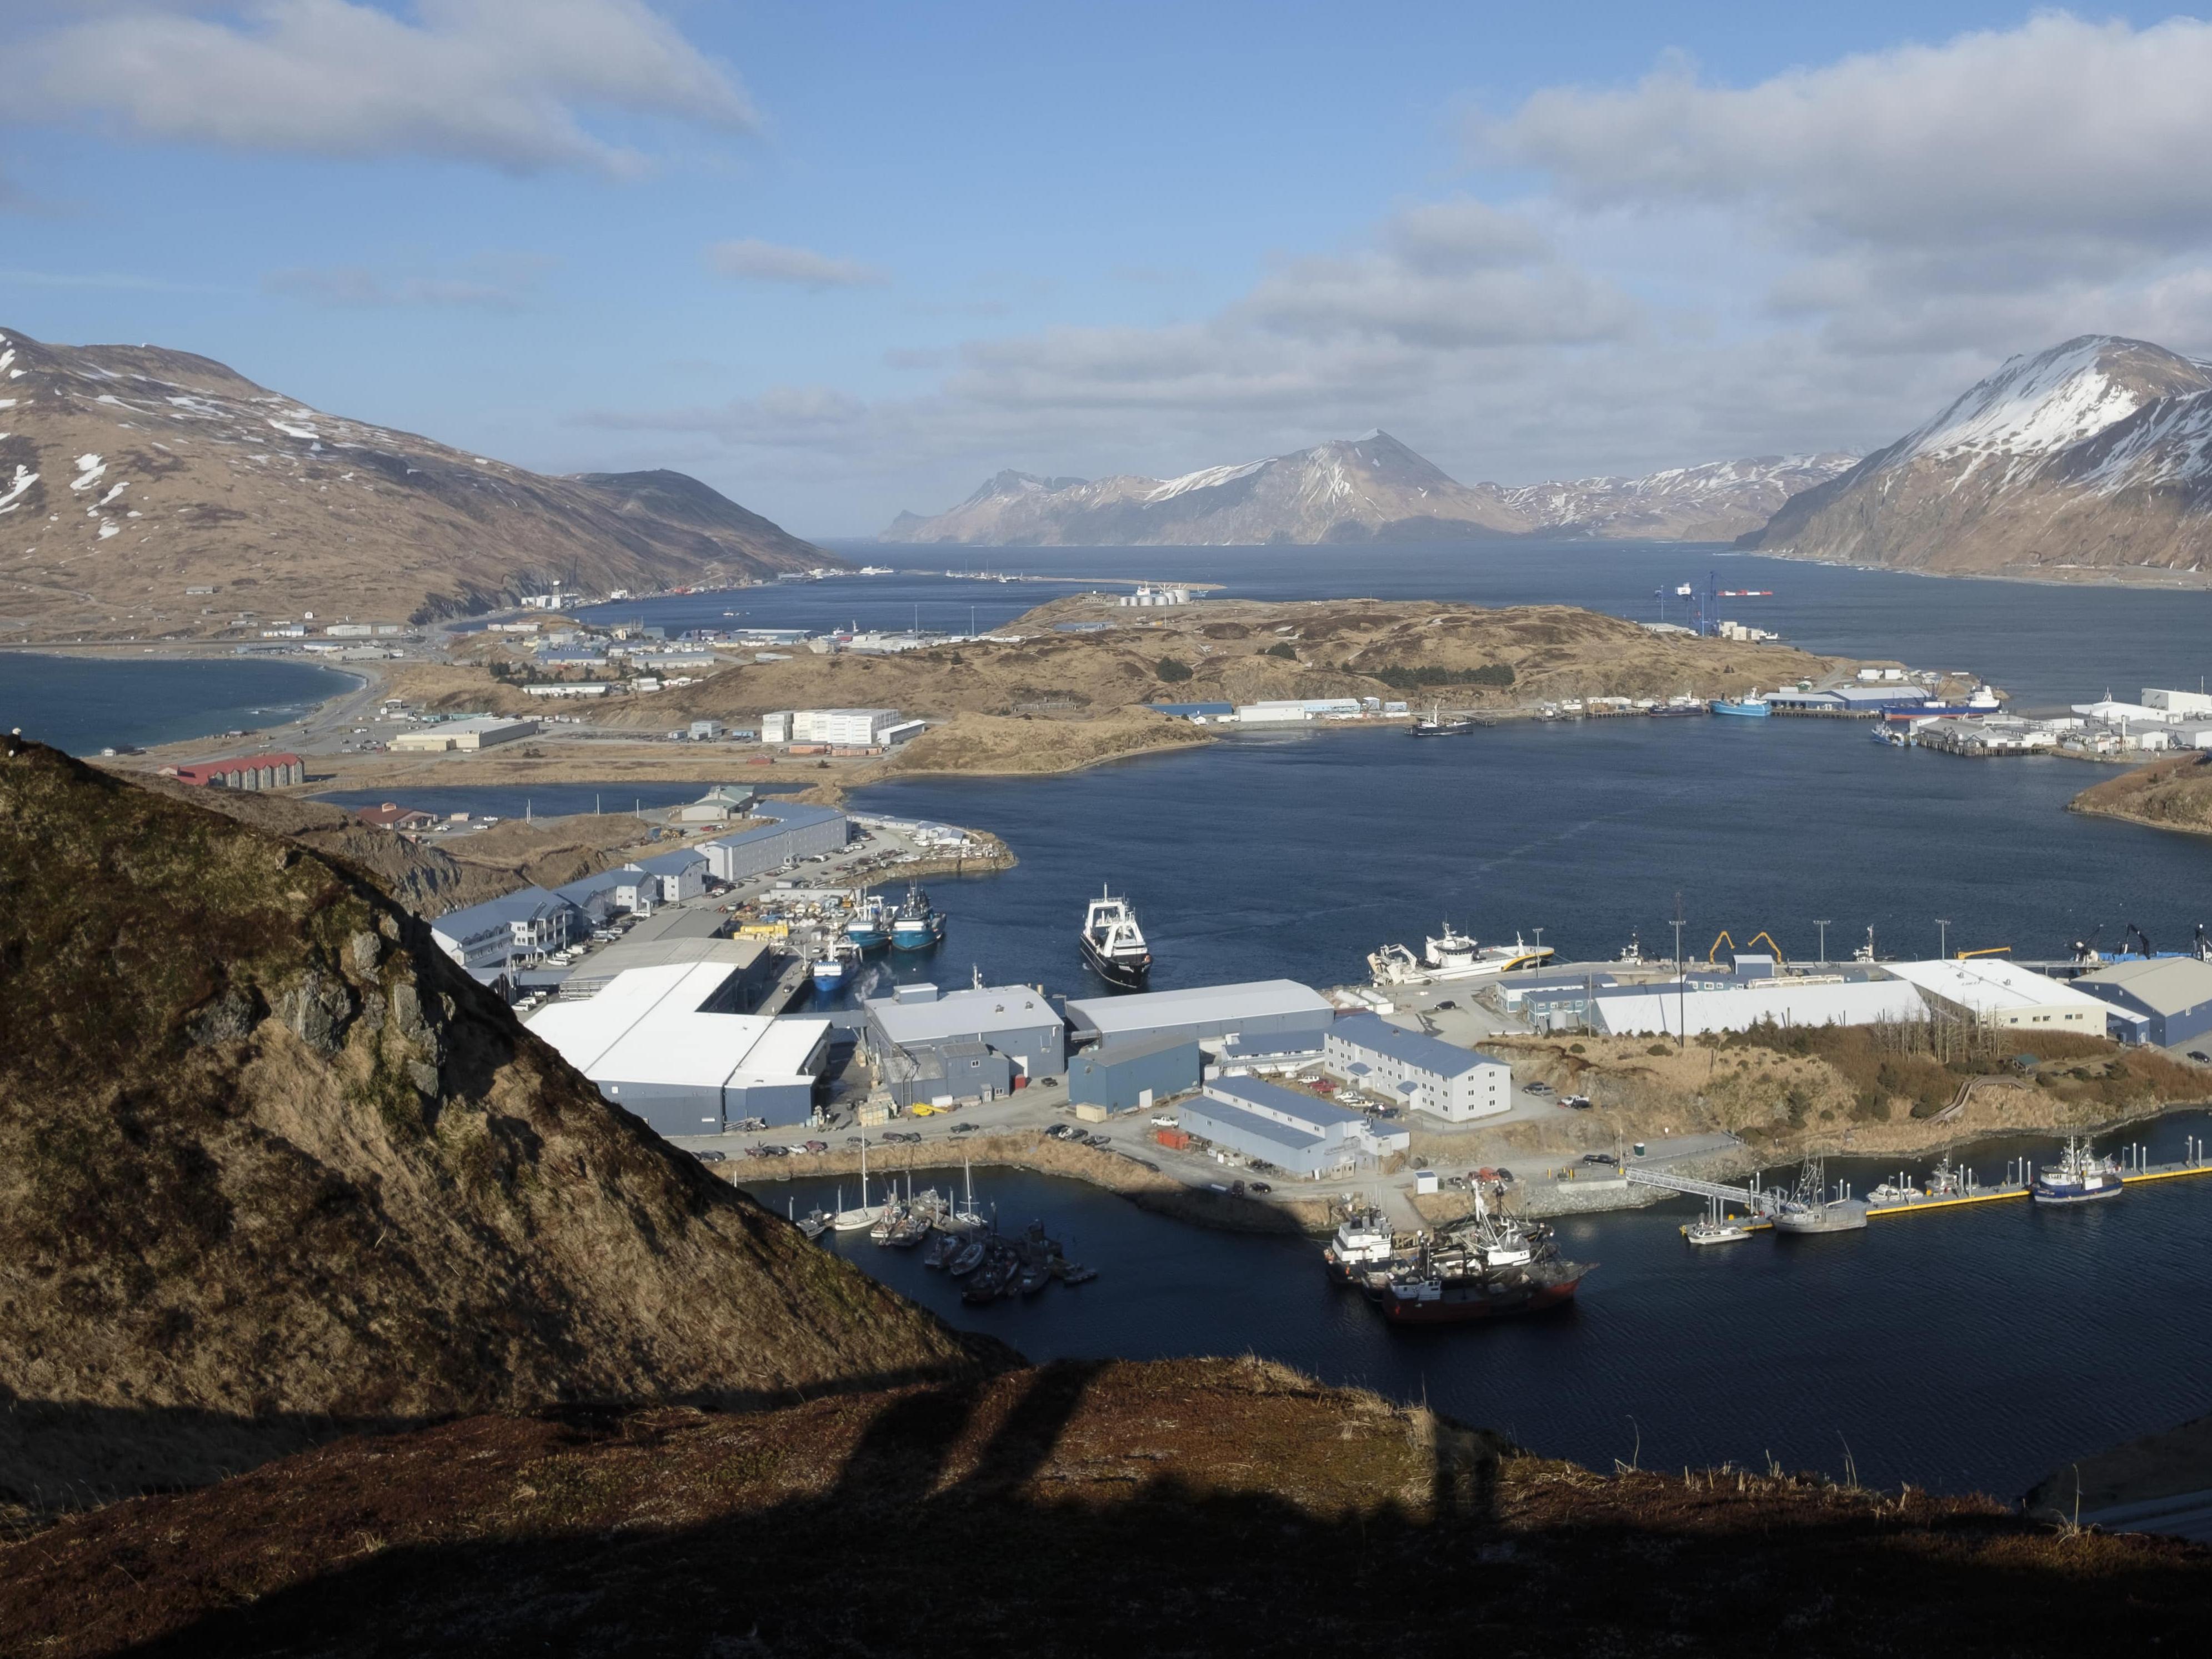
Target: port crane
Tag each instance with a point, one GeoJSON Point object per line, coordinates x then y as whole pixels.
{"type": "Point", "coordinates": [1713, 954]}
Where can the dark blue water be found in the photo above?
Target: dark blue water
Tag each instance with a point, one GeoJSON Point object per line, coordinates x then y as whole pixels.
{"type": "Point", "coordinates": [1297, 855]}
{"type": "Point", "coordinates": [2048, 645]}
{"type": "Point", "coordinates": [1962, 1350]}
{"type": "Point", "coordinates": [84, 704]}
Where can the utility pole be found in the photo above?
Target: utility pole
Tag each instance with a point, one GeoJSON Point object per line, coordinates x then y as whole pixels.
{"type": "Point", "coordinates": [1822, 924]}
{"type": "Point", "coordinates": [1944, 950]}
{"type": "Point", "coordinates": [1681, 983]}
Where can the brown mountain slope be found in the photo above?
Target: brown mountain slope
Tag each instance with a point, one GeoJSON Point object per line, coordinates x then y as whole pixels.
{"type": "Point", "coordinates": [1182, 1508]}
{"type": "Point", "coordinates": [128, 474]}
{"type": "Point", "coordinates": [2174, 794]}
{"type": "Point", "coordinates": [268, 1160]}
{"type": "Point", "coordinates": [1242, 651]}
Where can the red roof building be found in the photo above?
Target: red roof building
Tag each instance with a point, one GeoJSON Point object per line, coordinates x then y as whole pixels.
{"type": "Point", "coordinates": [244, 772]}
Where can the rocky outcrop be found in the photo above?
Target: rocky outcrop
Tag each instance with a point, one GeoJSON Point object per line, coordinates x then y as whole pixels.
{"type": "Point", "coordinates": [271, 1166]}
{"type": "Point", "coordinates": [2094, 456]}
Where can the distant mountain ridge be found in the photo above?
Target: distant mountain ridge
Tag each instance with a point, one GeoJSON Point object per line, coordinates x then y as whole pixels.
{"type": "Point", "coordinates": [2096, 454]}
{"type": "Point", "coordinates": [1357, 490]}
{"type": "Point", "coordinates": [148, 472]}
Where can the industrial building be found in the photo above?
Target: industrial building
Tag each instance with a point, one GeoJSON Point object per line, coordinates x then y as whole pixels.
{"type": "Point", "coordinates": [2003, 993]}
{"type": "Point", "coordinates": [1414, 1069]}
{"type": "Point", "coordinates": [253, 771]}
{"type": "Point", "coordinates": [2164, 1001]}
{"type": "Point", "coordinates": [1266, 1017]}
{"type": "Point", "coordinates": [680, 875]}
{"type": "Point", "coordinates": [667, 1044]}
{"type": "Point", "coordinates": [489, 939]}
{"type": "Point", "coordinates": [1297, 1134]}
{"type": "Point", "coordinates": [915, 1037]}
{"type": "Point", "coordinates": [747, 960]}
{"type": "Point", "coordinates": [1127, 1077]}
{"type": "Point", "coordinates": [789, 831]}
{"type": "Point", "coordinates": [481, 733]}
{"type": "Point", "coordinates": [1667, 1010]}
{"type": "Point", "coordinates": [856, 727]}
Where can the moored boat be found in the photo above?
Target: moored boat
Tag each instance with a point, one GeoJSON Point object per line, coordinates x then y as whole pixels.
{"type": "Point", "coordinates": [919, 925]}
{"type": "Point", "coordinates": [1363, 1241]}
{"type": "Point", "coordinates": [869, 927]}
{"type": "Point", "coordinates": [2082, 1177]}
{"type": "Point", "coordinates": [835, 965]}
{"type": "Point", "coordinates": [1753, 707]}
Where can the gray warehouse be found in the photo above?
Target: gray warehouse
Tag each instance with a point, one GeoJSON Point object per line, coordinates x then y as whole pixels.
{"type": "Point", "coordinates": [1124, 1077]}
{"type": "Point", "coordinates": [2165, 1001]}
{"type": "Point", "coordinates": [1267, 1015]}
{"type": "Point", "coordinates": [794, 831]}
{"type": "Point", "coordinates": [1293, 1132]}
{"type": "Point", "coordinates": [924, 1042]}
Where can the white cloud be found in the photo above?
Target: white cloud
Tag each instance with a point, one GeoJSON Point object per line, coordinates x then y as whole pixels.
{"type": "Point", "coordinates": [501, 282]}
{"type": "Point", "coordinates": [506, 82]}
{"type": "Point", "coordinates": [2057, 122]}
{"type": "Point", "coordinates": [750, 260]}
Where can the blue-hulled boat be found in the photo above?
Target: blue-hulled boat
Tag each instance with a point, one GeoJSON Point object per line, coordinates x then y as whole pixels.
{"type": "Point", "coordinates": [919, 925]}
{"type": "Point", "coordinates": [2080, 1178]}
{"type": "Point", "coordinates": [835, 965]}
{"type": "Point", "coordinates": [1753, 707]}
{"type": "Point", "coordinates": [870, 928]}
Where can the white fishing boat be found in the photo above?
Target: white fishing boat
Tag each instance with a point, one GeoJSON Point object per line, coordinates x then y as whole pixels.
{"type": "Point", "coordinates": [1715, 1228]}
{"type": "Point", "coordinates": [853, 1221]}
{"type": "Point", "coordinates": [1452, 957]}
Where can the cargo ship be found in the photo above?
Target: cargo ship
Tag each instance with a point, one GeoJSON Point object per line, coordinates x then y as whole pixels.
{"type": "Point", "coordinates": [1113, 944]}
{"type": "Point", "coordinates": [918, 925]}
{"type": "Point", "coordinates": [2080, 1178]}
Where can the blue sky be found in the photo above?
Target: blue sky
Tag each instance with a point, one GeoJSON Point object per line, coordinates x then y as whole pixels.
{"type": "Point", "coordinates": [840, 259]}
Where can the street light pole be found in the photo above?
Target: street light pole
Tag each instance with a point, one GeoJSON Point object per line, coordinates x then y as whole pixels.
{"type": "Point", "coordinates": [1945, 935]}
{"type": "Point", "coordinates": [1822, 924]}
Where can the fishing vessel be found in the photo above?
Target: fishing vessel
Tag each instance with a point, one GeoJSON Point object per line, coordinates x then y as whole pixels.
{"type": "Point", "coordinates": [1451, 1287]}
{"type": "Point", "coordinates": [1753, 707]}
{"type": "Point", "coordinates": [1451, 957]}
{"type": "Point", "coordinates": [836, 965]}
{"type": "Point", "coordinates": [1113, 944]}
{"type": "Point", "coordinates": [2082, 1177]}
{"type": "Point", "coordinates": [1809, 1209]}
{"type": "Point", "coordinates": [919, 925]}
{"type": "Point", "coordinates": [1363, 1241]}
{"type": "Point", "coordinates": [1437, 726]}
{"type": "Point", "coordinates": [869, 927]}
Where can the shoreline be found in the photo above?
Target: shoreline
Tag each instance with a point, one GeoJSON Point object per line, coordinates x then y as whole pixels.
{"type": "Point", "coordinates": [1293, 1215]}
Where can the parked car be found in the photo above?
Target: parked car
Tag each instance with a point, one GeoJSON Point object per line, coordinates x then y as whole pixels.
{"type": "Point", "coordinates": [1600, 1157]}
{"type": "Point", "coordinates": [817, 1145]}
{"type": "Point", "coordinates": [1580, 1103]}
{"type": "Point", "coordinates": [963, 1128]}
{"type": "Point", "coordinates": [1261, 1187]}
{"type": "Point", "coordinates": [1447, 1003]}
{"type": "Point", "coordinates": [1538, 1088]}
{"type": "Point", "coordinates": [712, 1156]}
{"type": "Point", "coordinates": [1163, 1120]}
{"type": "Point", "coordinates": [2200, 1057]}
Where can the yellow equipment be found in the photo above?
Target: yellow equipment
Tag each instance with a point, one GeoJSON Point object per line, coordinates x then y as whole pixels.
{"type": "Point", "coordinates": [1990, 950]}
{"type": "Point", "coordinates": [1713, 955]}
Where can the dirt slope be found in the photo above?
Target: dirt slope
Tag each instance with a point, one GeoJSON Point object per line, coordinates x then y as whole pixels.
{"type": "Point", "coordinates": [1198, 1507]}
{"type": "Point", "coordinates": [149, 471]}
{"type": "Point", "coordinates": [268, 1160]}
{"type": "Point", "coordinates": [2175, 793]}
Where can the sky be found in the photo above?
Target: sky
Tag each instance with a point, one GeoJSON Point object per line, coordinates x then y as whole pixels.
{"type": "Point", "coordinates": [840, 259]}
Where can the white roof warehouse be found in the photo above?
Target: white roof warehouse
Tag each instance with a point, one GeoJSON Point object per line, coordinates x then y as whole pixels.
{"type": "Point", "coordinates": [656, 1043]}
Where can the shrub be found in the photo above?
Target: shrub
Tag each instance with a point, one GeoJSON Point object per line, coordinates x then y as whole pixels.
{"type": "Point", "coordinates": [1173, 670]}
{"type": "Point", "coordinates": [1414, 679]}
{"type": "Point", "coordinates": [1575, 1048]}
{"type": "Point", "coordinates": [1659, 1049]}
{"type": "Point", "coordinates": [1284, 649]}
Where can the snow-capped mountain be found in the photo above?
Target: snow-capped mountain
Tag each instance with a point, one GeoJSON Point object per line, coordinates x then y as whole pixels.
{"type": "Point", "coordinates": [2097, 453]}
{"type": "Point", "coordinates": [1716, 501]}
{"type": "Point", "coordinates": [1346, 490]}
{"type": "Point", "coordinates": [1357, 490]}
